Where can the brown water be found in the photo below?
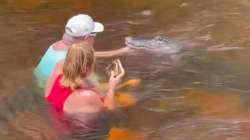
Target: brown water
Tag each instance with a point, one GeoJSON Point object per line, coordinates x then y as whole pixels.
{"type": "Point", "coordinates": [204, 96]}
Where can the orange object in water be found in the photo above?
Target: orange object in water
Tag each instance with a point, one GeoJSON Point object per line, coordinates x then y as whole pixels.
{"type": "Point", "coordinates": [124, 134]}
{"type": "Point", "coordinates": [124, 99]}
{"type": "Point", "coordinates": [131, 83]}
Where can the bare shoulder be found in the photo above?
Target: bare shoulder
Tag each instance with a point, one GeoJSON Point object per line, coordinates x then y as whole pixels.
{"type": "Point", "coordinates": [86, 92]}
{"type": "Point", "coordinates": [87, 95]}
{"type": "Point", "coordinates": [83, 101]}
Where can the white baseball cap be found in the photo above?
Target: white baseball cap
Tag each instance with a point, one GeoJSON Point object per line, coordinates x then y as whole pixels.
{"type": "Point", "coordinates": [81, 25]}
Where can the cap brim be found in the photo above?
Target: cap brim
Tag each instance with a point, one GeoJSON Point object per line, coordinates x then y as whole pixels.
{"type": "Point", "coordinates": [98, 27]}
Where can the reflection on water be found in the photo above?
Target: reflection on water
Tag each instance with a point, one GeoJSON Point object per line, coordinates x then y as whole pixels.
{"type": "Point", "coordinates": [204, 96]}
{"type": "Point", "coordinates": [28, 125]}
{"type": "Point", "coordinates": [212, 115]}
{"type": "Point", "coordinates": [216, 104]}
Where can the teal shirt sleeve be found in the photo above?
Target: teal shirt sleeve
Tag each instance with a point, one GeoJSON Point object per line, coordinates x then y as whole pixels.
{"type": "Point", "coordinates": [46, 65]}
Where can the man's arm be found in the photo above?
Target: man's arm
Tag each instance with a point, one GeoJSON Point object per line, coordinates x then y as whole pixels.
{"type": "Point", "coordinates": [112, 53]}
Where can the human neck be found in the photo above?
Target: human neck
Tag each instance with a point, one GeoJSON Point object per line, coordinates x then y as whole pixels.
{"type": "Point", "coordinates": [69, 40]}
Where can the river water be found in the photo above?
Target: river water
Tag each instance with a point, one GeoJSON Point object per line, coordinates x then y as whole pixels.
{"type": "Point", "coordinates": [204, 95]}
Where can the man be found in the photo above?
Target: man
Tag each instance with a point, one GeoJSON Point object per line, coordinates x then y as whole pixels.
{"type": "Point", "coordinates": [79, 28]}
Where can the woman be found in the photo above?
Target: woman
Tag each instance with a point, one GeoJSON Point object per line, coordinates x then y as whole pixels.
{"type": "Point", "coordinates": [67, 89]}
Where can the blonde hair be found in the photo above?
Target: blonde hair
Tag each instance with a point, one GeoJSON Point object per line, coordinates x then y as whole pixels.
{"type": "Point", "coordinates": [78, 64]}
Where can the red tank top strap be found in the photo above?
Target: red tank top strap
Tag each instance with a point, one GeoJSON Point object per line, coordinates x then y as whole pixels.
{"type": "Point", "coordinates": [58, 94]}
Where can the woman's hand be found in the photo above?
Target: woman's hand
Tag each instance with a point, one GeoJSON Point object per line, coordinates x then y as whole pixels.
{"type": "Point", "coordinates": [114, 79]}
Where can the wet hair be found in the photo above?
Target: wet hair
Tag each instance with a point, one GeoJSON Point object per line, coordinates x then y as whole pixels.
{"type": "Point", "coordinates": [78, 64]}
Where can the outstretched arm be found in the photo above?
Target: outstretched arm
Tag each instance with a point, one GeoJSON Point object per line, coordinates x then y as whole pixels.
{"type": "Point", "coordinates": [112, 53]}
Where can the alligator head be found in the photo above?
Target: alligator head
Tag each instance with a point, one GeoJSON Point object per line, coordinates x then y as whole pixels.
{"type": "Point", "coordinates": [158, 43]}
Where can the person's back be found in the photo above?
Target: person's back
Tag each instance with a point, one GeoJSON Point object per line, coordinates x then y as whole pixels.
{"type": "Point", "coordinates": [53, 55]}
{"type": "Point", "coordinates": [47, 63]}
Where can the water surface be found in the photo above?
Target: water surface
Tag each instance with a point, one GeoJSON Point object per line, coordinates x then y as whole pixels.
{"type": "Point", "coordinates": [204, 96]}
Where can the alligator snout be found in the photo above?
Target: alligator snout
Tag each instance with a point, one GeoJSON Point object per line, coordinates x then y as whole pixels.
{"type": "Point", "coordinates": [156, 44]}
{"type": "Point", "coordinates": [136, 42]}
{"type": "Point", "coordinates": [128, 40]}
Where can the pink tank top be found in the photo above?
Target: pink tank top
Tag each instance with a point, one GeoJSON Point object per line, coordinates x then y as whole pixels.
{"type": "Point", "coordinates": [58, 94]}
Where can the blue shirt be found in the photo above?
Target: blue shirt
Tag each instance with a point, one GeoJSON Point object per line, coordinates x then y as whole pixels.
{"type": "Point", "coordinates": [47, 63]}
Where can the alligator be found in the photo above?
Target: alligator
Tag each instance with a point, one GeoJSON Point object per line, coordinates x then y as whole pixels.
{"type": "Point", "coordinates": [156, 44]}
{"type": "Point", "coordinates": [161, 44]}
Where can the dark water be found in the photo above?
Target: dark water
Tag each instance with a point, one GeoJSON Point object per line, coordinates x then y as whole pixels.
{"type": "Point", "coordinates": [204, 96]}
